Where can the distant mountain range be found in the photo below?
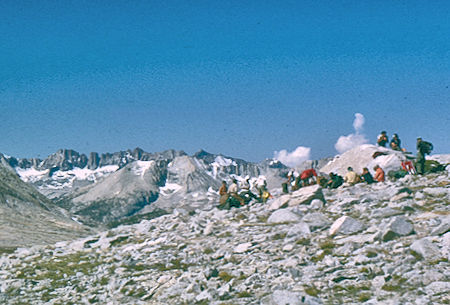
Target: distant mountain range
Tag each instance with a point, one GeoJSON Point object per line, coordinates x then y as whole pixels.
{"type": "Point", "coordinates": [106, 188]}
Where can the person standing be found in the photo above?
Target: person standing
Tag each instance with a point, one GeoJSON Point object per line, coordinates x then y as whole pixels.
{"type": "Point", "coordinates": [423, 148]}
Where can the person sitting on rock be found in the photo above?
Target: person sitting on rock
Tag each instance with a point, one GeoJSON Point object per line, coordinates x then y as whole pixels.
{"type": "Point", "coordinates": [223, 192]}
{"type": "Point", "coordinates": [246, 193]}
{"type": "Point", "coordinates": [233, 191]}
{"type": "Point", "coordinates": [366, 176]}
{"type": "Point", "coordinates": [382, 139]}
{"type": "Point", "coordinates": [261, 185]}
{"type": "Point", "coordinates": [307, 177]}
{"type": "Point", "coordinates": [351, 177]}
{"type": "Point", "coordinates": [379, 174]}
{"type": "Point", "coordinates": [395, 143]}
{"type": "Point", "coordinates": [335, 181]}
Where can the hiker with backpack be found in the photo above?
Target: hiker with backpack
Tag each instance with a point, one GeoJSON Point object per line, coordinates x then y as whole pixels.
{"type": "Point", "coordinates": [423, 148]}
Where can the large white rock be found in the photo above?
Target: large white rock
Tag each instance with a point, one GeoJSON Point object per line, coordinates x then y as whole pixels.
{"type": "Point", "coordinates": [279, 202]}
{"type": "Point", "coordinates": [316, 220]}
{"type": "Point", "coordinates": [362, 156]}
{"type": "Point", "coordinates": [399, 226]}
{"type": "Point", "coordinates": [346, 225]}
{"type": "Point", "coordinates": [298, 230]}
{"type": "Point", "coordinates": [283, 215]}
{"type": "Point", "coordinates": [426, 249]}
{"type": "Point", "coordinates": [306, 194]}
{"type": "Point", "coordinates": [241, 248]}
{"type": "Point", "coordinates": [302, 196]}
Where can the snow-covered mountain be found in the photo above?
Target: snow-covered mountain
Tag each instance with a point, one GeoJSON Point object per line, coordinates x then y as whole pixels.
{"type": "Point", "coordinates": [108, 187]}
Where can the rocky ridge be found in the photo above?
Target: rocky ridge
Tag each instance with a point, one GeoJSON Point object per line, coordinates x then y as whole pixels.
{"type": "Point", "coordinates": [28, 218]}
{"type": "Point", "coordinates": [365, 244]}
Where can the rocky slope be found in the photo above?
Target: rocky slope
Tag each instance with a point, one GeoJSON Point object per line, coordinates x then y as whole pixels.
{"type": "Point", "coordinates": [28, 218]}
{"type": "Point", "coordinates": [385, 243]}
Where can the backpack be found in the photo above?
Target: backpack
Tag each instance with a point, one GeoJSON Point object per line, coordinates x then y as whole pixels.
{"type": "Point", "coordinates": [427, 147]}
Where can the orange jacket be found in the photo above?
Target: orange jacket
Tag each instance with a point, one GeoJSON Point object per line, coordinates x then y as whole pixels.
{"type": "Point", "coordinates": [379, 175]}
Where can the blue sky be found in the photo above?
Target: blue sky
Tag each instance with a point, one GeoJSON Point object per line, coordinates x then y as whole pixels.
{"type": "Point", "coordinates": [242, 78]}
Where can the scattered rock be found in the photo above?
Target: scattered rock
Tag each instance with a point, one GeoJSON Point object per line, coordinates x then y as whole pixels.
{"type": "Point", "coordinates": [346, 225]}
{"type": "Point", "coordinates": [283, 215]}
{"type": "Point", "coordinates": [306, 194]}
{"type": "Point", "coordinates": [316, 220]}
{"type": "Point", "coordinates": [425, 248]}
{"type": "Point", "coordinates": [400, 226]}
{"type": "Point", "coordinates": [241, 248]}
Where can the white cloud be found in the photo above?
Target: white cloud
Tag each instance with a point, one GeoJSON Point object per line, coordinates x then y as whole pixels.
{"type": "Point", "coordinates": [345, 143]}
{"type": "Point", "coordinates": [295, 158]}
{"type": "Point", "coordinates": [358, 123]}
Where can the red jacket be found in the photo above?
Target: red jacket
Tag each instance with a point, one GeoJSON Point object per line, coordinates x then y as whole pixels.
{"type": "Point", "coordinates": [308, 173]}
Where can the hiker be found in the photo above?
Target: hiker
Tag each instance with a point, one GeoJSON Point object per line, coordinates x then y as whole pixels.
{"type": "Point", "coordinates": [382, 139]}
{"type": "Point", "coordinates": [246, 194]}
{"type": "Point", "coordinates": [379, 174]}
{"type": "Point", "coordinates": [261, 186]}
{"type": "Point", "coordinates": [285, 185]}
{"type": "Point", "coordinates": [233, 191]}
{"type": "Point", "coordinates": [335, 181]}
{"type": "Point", "coordinates": [395, 143]}
{"type": "Point", "coordinates": [297, 184]}
{"type": "Point", "coordinates": [351, 177]}
{"type": "Point", "coordinates": [223, 192]}
{"type": "Point", "coordinates": [245, 185]}
{"type": "Point", "coordinates": [307, 175]}
{"type": "Point", "coordinates": [423, 148]}
{"type": "Point", "coordinates": [366, 176]}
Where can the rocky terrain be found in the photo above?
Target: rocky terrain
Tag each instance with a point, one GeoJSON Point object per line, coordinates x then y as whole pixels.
{"type": "Point", "coordinates": [29, 218]}
{"type": "Point", "coordinates": [387, 243]}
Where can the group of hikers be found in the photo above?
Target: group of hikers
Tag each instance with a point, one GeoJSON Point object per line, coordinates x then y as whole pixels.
{"type": "Point", "coordinates": [423, 148]}
{"type": "Point", "coordinates": [237, 195]}
{"type": "Point", "coordinates": [310, 177]}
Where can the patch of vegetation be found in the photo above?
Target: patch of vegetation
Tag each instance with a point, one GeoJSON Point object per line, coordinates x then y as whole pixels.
{"type": "Point", "coordinates": [304, 242]}
{"type": "Point", "coordinates": [279, 236]}
{"type": "Point", "coordinates": [241, 217]}
{"type": "Point", "coordinates": [208, 251]}
{"type": "Point", "coordinates": [225, 276]}
{"type": "Point", "coordinates": [311, 290]}
{"type": "Point", "coordinates": [416, 255]}
{"type": "Point", "coordinates": [371, 254]}
{"type": "Point", "coordinates": [7, 250]}
{"type": "Point", "coordinates": [327, 245]}
{"type": "Point", "coordinates": [262, 218]}
{"type": "Point", "coordinates": [244, 294]}
{"type": "Point", "coordinates": [119, 241]}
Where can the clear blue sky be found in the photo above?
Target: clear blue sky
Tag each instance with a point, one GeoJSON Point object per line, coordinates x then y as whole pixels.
{"type": "Point", "coordinates": [242, 78]}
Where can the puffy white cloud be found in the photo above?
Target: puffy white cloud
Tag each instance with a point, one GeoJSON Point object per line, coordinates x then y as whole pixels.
{"type": "Point", "coordinates": [295, 158]}
{"type": "Point", "coordinates": [345, 143]}
{"type": "Point", "coordinates": [358, 123]}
